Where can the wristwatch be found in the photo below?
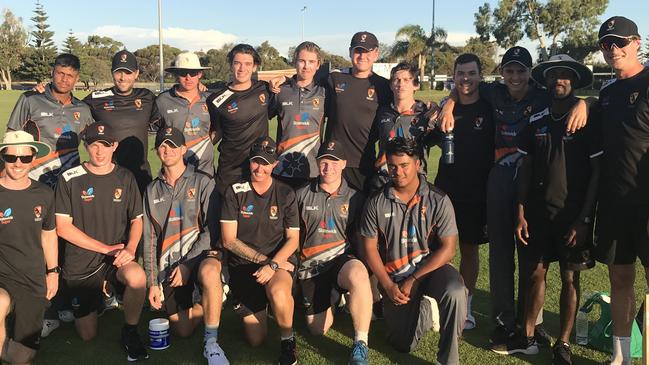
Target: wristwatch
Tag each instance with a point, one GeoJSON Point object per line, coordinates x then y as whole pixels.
{"type": "Point", "coordinates": [55, 269]}
{"type": "Point", "coordinates": [273, 265]}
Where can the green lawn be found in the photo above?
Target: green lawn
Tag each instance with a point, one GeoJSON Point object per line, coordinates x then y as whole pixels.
{"type": "Point", "coordinates": [64, 347]}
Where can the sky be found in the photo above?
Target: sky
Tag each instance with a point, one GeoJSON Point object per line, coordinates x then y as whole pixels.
{"type": "Point", "coordinates": [200, 25]}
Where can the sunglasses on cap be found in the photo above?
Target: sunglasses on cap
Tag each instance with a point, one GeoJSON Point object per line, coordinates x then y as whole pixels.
{"type": "Point", "coordinates": [13, 158]}
{"type": "Point", "coordinates": [183, 73]}
{"type": "Point", "coordinates": [257, 147]}
{"type": "Point", "coordinates": [607, 43]}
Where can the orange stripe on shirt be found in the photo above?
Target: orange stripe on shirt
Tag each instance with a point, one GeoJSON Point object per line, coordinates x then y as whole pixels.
{"type": "Point", "coordinates": [196, 141]}
{"type": "Point", "coordinates": [295, 140]}
{"type": "Point", "coordinates": [502, 152]}
{"type": "Point", "coordinates": [52, 155]}
{"type": "Point", "coordinates": [170, 240]}
{"type": "Point", "coordinates": [311, 251]}
{"type": "Point", "coordinates": [397, 264]}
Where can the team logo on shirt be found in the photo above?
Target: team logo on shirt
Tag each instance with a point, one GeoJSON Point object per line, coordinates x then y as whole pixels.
{"type": "Point", "coordinates": [344, 209]}
{"type": "Point", "coordinates": [76, 115]}
{"type": "Point", "coordinates": [232, 107]}
{"type": "Point", "coordinates": [477, 124]}
{"type": "Point", "coordinates": [327, 227]}
{"type": "Point", "coordinates": [6, 217]}
{"type": "Point", "coordinates": [88, 194]}
{"type": "Point", "coordinates": [100, 129]}
{"type": "Point", "coordinates": [38, 212]}
{"type": "Point", "coordinates": [316, 102]}
{"type": "Point", "coordinates": [528, 110]}
{"type": "Point", "coordinates": [191, 193]}
{"type": "Point", "coordinates": [273, 212]}
{"type": "Point", "coordinates": [422, 211]}
{"type": "Point", "coordinates": [340, 87]}
{"type": "Point", "coordinates": [138, 103]}
{"type": "Point", "coordinates": [262, 99]}
{"type": "Point", "coordinates": [301, 121]}
{"type": "Point", "coordinates": [633, 97]}
{"type": "Point", "coordinates": [204, 108]}
{"type": "Point", "coordinates": [370, 93]}
{"type": "Point", "coordinates": [246, 211]}
{"type": "Point", "coordinates": [117, 195]}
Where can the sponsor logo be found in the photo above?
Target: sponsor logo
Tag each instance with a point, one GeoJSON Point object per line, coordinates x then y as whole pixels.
{"type": "Point", "coordinates": [64, 132]}
{"type": "Point", "coordinates": [247, 211]}
{"type": "Point", "coordinates": [273, 212]}
{"type": "Point", "coordinates": [311, 207]}
{"type": "Point", "coordinates": [344, 209]}
{"type": "Point", "coordinates": [46, 114]}
{"type": "Point", "coordinates": [88, 195]}
{"type": "Point", "coordinates": [340, 87]}
{"type": "Point", "coordinates": [191, 193]}
{"type": "Point", "coordinates": [409, 237]}
{"type": "Point", "coordinates": [76, 115]}
{"type": "Point", "coordinates": [171, 111]}
{"type": "Point", "coordinates": [541, 132]}
{"type": "Point", "coordinates": [301, 121]}
{"type": "Point", "coordinates": [388, 215]}
{"type": "Point", "coordinates": [633, 97]}
{"type": "Point", "coordinates": [108, 105]}
{"type": "Point", "coordinates": [38, 212]}
{"type": "Point", "coordinates": [176, 215]}
{"type": "Point", "coordinates": [192, 127]}
{"type": "Point", "coordinates": [327, 227]}
{"type": "Point", "coordinates": [262, 99]}
{"type": "Point", "coordinates": [232, 107]}
{"type": "Point", "coordinates": [117, 195]}
{"type": "Point", "coordinates": [370, 93]}
{"type": "Point", "coordinates": [287, 103]}
{"type": "Point", "coordinates": [156, 201]}
{"type": "Point", "coordinates": [508, 131]}
{"type": "Point", "coordinates": [138, 103]}
{"type": "Point", "coordinates": [5, 216]}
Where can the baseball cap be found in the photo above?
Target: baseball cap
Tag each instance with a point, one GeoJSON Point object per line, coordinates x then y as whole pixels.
{"type": "Point", "coordinates": [365, 40]}
{"type": "Point", "coordinates": [124, 60]}
{"type": "Point", "coordinates": [618, 26]}
{"type": "Point", "coordinates": [331, 149]}
{"type": "Point", "coordinates": [169, 134]}
{"type": "Point", "coordinates": [98, 132]}
{"type": "Point", "coordinates": [264, 148]}
{"type": "Point", "coordinates": [517, 54]}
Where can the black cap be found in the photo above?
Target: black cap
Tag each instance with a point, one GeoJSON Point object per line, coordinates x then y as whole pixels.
{"type": "Point", "coordinates": [124, 60]}
{"type": "Point", "coordinates": [618, 26]}
{"type": "Point", "coordinates": [264, 148]}
{"type": "Point", "coordinates": [98, 131]}
{"type": "Point", "coordinates": [331, 149]}
{"type": "Point", "coordinates": [169, 134]}
{"type": "Point", "coordinates": [517, 54]}
{"type": "Point", "coordinates": [364, 40]}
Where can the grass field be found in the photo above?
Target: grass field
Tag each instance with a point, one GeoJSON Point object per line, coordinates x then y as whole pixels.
{"type": "Point", "coordinates": [64, 347]}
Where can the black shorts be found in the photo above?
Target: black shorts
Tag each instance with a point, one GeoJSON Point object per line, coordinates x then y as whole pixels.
{"type": "Point", "coordinates": [249, 296]}
{"type": "Point", "coordinates": [25, 320]}
{"type": "Point", "coordinates": [87, 293]}
{"type": "Point", "coordinates": [471, 221]}
{"type": "Point", "coordinates": [547, 244]}
{"type": "Point", "coordinates": [622, 234]}
{"type": "Point", "coordinates": [316, 291]}
{"type": "Point", "coordinates": [180, 298]}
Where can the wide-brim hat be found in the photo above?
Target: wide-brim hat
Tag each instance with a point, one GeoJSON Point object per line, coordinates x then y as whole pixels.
{"type": "Point", "coordinates": [583, 73]}
{"type": "Point", "coordinates": [186, 61]}
{"type": "Point", "coordinates": [22, 138]}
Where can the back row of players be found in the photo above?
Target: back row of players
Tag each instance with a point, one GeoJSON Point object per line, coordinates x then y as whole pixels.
{"type": "Point", "coordinates": [546, 173]}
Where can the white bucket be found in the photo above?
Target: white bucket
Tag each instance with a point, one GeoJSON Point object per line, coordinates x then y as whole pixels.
{"type": "Point", "coordinates": [159, 333]}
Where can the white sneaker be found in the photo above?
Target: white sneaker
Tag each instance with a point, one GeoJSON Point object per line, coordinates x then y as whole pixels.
{"type": "Point", "coordinates": [49, 325]}
{"type": "Point", "coordinates": [434, 310]}
{"type": "Point", "coordinates": [66, 316]}
{"type": "Point", "coordinates": [214, 353]}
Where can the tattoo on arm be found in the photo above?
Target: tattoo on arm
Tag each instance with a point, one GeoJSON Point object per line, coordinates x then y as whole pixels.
{"type": "Point", "coordinates": [244, 251]}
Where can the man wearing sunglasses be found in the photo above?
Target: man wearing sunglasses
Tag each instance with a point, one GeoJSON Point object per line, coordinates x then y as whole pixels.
{"type": "Point", "coordinates": [29, 271]}
{"type": "Point", "coordinates": [623, 211]}
{"type": "Point", "coordinates": [184, 108]}
{"type": "Point", "coordinates": [179, 254]}
{"type": "Point", "coordinates": [99, 215]}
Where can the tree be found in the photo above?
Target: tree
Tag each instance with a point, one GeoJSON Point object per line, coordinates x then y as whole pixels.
{"type": "Point", "coordinates": [644, 55]}
{"type": "Point", "coordinates": [270, 58]}
{"type": "Point", "coordinates": [13, 39]}
{"type": "Point", "coordinates": [72, 44]}
{"type": "Point", "coordinates": [102, 47]}
{"type": "Point", "coordinates": [570, 25]}
{"type": "Point", "coordinates": [335, 61]}
{"type": "Point", "coordinates": [414, 45]}
{"type": "Point", "coordinates": [148, 59]}
{"type": "Point", "coordinates": [484, 50]}
{"type": "Point", "coordinates": [38, 64]}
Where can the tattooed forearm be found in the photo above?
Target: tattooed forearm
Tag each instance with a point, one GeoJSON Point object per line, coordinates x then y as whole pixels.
{"type": "Point", "coordinates": [244, 251]}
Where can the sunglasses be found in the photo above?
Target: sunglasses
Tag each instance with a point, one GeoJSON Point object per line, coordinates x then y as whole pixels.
{"type": "Point", "coordinates": [13, 158]}
{"type": "Point", "coordinates": [183, 73]}
{"type": "Point", "coordinates": [607, 43]}
{"type": "Point", "coordinates": [260, 148]}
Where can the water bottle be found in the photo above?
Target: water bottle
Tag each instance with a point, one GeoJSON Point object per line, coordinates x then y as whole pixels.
{"type": "Point", "coordinates": [448, 148]}
{"type": "Point", "coordinates": [581, 328]}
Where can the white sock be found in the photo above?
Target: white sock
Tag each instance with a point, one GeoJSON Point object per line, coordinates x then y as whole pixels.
{"type": "Point", "coordinates": [621, 351]}
{"type": "Point", "coordinates": [282, 338]}
{"type": "Point", "coordinates": [360, 336]}
{"type": "Point", "coordinates": [468, 303]}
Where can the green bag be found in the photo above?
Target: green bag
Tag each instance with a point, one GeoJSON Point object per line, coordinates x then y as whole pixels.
{"type": "Point", "coordinates": [600, 335]}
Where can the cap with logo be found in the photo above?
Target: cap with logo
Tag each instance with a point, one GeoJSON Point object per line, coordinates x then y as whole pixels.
{"type": "Point", "coordinates": [124, 60]}
{"type": "Point", "coordinates": [331, 149]}
{"type": "Point", "coordinates": [365, 40]}
{"type": "Point", "coordinates": [98, 132]}
{"type": "Point", "coordinates": [519, 55]}
{"type": "Point", "coordinates": [618, 26]}
{"type": "Point", "coordinates": [264, 148]}
{"type": "Point", "coordinates": [170, 135]}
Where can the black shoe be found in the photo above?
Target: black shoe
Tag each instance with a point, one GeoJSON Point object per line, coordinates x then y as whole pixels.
{"type": "Point", "coordinates": [517, 345]}
{"type": "Point", "coordinates": [132, 344]}
{"type": "Point", "coordinates": [542, 336]}
{"type": "Point", "coordinates": [561, 353]}
{"type": "Point", "coordinates": [501, 335]}
{"type": "Point", "coordinates": [288, 353]}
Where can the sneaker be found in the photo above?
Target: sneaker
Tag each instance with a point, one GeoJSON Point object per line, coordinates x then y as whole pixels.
{"type": "Point", "coordinates": [561, 353]}
{"type": "Point", "coordinates": [66, 316]}
{"type": "Point", "coordinates": [132, 344]}
{"type": "Point", "coordinates": [542, 336]}
{"type": "Point", "coordinates": [428, 306]}
{"type": "Point", "coordinates": [517, 344]}
{"type": "Point", "coordinates": [49, 325]}
{"type": "Point", "coordinates": [360, 354]}
{"type": "Point", "coordinates": [214, 353]}
{"type": "Point", "coordinates": [377, 311]}
{"type": "Point", "coordinates": [469, 324]}
{"type": "Point", "coordinates": [288, 353]}
{"type": "Point", "coordinates": [500, 335]}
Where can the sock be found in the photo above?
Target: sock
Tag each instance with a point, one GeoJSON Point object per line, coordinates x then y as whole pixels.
{"type": "Point", "coordinates": [130, 327]}
{"type": "Point", "coordinates": [361, 336]}
{"type": "Point", "coordinates": [468, 303]}
{"type": "Point", "coordinates": [621, 351]}
{"type": "Point", "coordinates": [211, 331]}
{"type": "Point", "coordinates": [283, 338]}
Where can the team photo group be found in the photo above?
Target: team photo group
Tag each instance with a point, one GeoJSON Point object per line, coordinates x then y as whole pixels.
{"type": "Point", "coordinates": [335, 213]}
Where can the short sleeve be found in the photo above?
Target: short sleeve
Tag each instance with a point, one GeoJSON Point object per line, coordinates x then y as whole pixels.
{"type": "Point", "coordinates": [62, 197]}
{"type": "Point", "coordinates": [444, 218]}
{"type": "Point", "coordinates": [49, 220]}
{"type": "Point", "coordinates": [134, 198]}
{"type": "Point", "coordinates": [230, 207]}
{"type": "Point", "coordinates": [369, 225]}
{"type": "Point", "coordinates": [291, 215]}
